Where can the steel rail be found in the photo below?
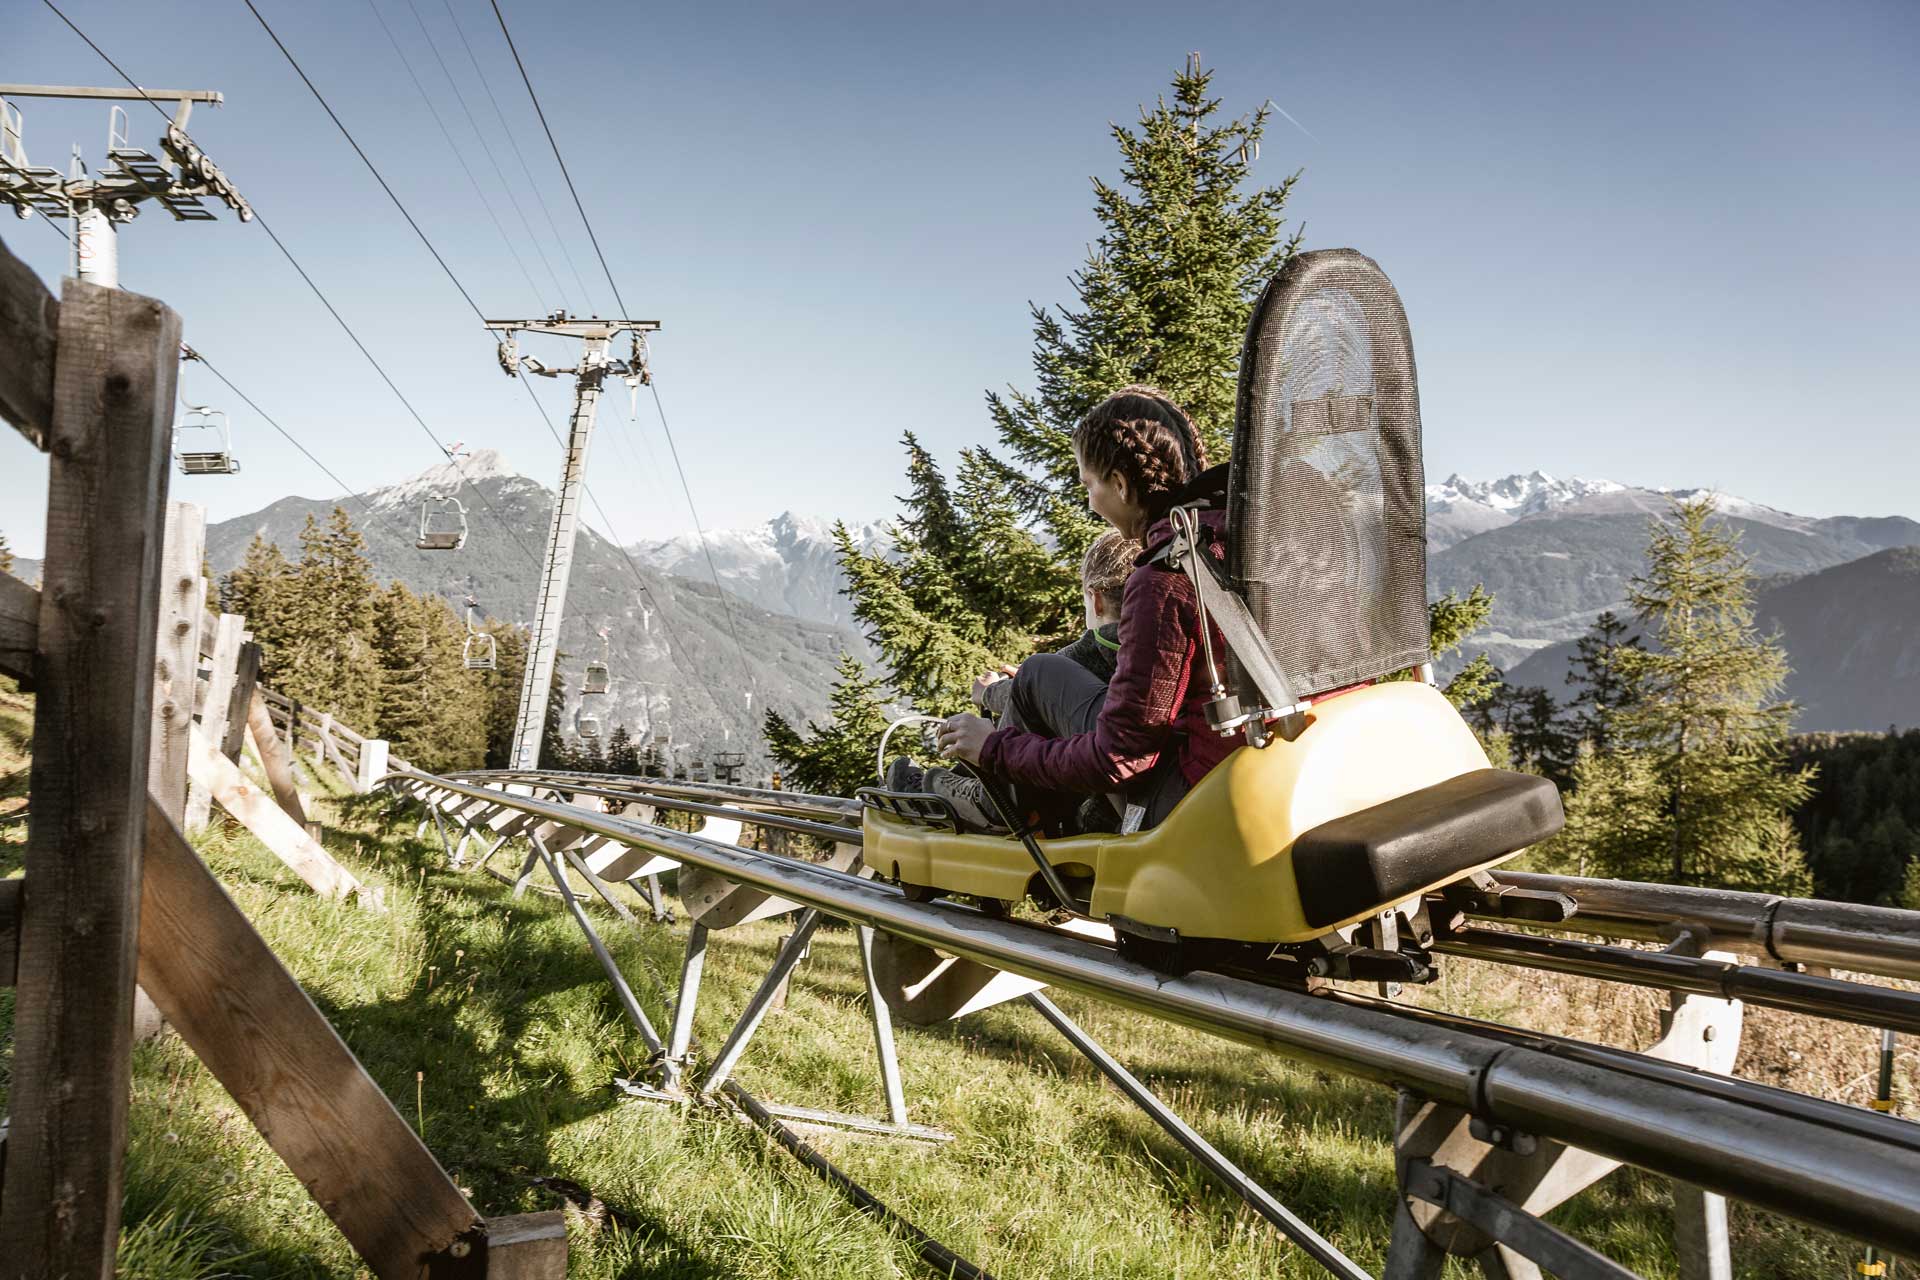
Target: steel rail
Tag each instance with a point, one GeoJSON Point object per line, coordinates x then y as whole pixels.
{"type": "Point", "coordinates": [1842, 935]}
{"type": "Point", "coordinates": [799, 802]}
{"type": "Point", "coordinates": [1822, 997]}
{"type": "Point", "coordinates": [777, 821]}
{"type": "Point", "coordinates": [1882, 941]}
{"type": "Point", "coordinates": [1802, 1157]}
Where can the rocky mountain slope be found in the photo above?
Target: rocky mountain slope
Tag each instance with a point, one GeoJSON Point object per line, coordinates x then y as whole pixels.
{"type": "Point", "coordinates": [790, 564]}
{"type": "Point", "coordinates": [672, 640]}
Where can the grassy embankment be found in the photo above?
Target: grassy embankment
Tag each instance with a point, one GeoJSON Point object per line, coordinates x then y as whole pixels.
{"type": "Point", "coordinates": [499, 1007]}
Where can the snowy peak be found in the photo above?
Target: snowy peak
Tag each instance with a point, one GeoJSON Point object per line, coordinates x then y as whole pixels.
{"type": "Point", "coordinates": [446, 479]}
{"type": "Point", "coordinates": [1516, 495]}
{"type": "Point", "coordinates": [789, 564]}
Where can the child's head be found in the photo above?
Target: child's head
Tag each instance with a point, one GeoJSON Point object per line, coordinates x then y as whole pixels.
{"type": "Point", "coordinates": [1136, 449]}
{"type": "Point", "coordinates": [1103, 576]}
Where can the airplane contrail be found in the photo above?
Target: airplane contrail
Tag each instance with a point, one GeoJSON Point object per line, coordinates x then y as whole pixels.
{"type": "Point", "coordinates": [1290, 120]}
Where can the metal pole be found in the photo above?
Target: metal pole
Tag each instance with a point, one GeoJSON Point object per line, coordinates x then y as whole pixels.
{"type": "Point", "coordinates": [537, 680]}
{"type": "Point", "coordinates": [882, 1030]}
{"type": "Point", "coordinates": [681, 1036]}
{"type": "Point", "coordinates": [97, 247]}
{"type": "Point", "coordinates": [635, 1014]}
{"type": "Point", "coordinates": [756, 1009]}
{"type": "Point", "coordinates": [1236, 1179]}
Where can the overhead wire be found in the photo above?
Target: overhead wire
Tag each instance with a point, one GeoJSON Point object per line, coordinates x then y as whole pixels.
{"type": "Point", "coordinates": [514, 144]}
{"type": "Point", "coordinates": [438, 258]}
{"type": "Point", "coordinates": [513, 197]}
{"type": "Point", "coordinates": [465, 168]}
{"type": "Point", "coordinates": [585, 221]}
{"type": "Point", "coordinates": [317, 292]}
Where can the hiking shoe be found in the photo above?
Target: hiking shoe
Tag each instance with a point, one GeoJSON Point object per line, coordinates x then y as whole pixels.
{"type": "Point", "coordinates": [904, 775]}
{"type": "Point", "coordinates": [968, 796]}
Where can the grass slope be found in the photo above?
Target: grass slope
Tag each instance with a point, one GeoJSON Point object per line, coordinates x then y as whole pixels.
{"type": "Point", "coordinates": [489, 1024]}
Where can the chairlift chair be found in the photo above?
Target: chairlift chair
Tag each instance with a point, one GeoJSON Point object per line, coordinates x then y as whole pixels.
{"type": "Point", "coordinates": [586, 724]}
{"type": "Point", "coordinates": [443, 525]}
{"type": "Point", "coordinates": [214, 456]}
{"type": "Point", "coordinates": [478, 653]}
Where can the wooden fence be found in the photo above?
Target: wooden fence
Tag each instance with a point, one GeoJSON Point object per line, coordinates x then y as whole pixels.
{"type": "Point", "coordinates": [109, 646]}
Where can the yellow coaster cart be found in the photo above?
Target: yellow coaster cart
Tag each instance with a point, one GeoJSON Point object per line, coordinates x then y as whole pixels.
{"type": "Point", "coordinates": [1360, 815]}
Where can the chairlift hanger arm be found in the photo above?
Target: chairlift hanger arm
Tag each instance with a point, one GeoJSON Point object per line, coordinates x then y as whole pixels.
{"type": "Point", "coordinates": [591, 328]}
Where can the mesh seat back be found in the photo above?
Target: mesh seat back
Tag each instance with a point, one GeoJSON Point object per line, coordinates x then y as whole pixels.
{"type": "Point", "coordinates": [1326, 490]}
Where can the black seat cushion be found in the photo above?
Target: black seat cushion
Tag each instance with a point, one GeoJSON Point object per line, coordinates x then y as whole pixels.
{"type": "Point", "coordinates": [1368, 859]}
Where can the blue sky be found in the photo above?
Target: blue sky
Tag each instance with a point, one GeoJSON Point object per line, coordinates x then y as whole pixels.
{"type": "Point", "coordinates": [1664, 244]}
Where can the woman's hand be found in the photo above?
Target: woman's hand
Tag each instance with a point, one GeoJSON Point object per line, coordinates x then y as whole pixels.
{"type": "Point", "coordinates": [963, 737]}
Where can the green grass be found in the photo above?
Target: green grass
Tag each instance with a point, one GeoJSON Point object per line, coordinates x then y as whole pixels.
{"type": "Point", "coordinates": [500, 1009]}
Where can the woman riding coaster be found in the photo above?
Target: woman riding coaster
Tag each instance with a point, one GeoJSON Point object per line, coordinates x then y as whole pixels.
{"type": "Point", "coordinates": [1143, 736]}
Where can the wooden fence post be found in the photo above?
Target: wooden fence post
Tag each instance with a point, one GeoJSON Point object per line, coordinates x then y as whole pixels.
{"type": "Point", "coordinates": [225, 655]}
{"type": "Point", "coordinates": [115, 366]}
{"type": "Point", "coordinates": [176, 659]}
{"type": "Point", "coordinates": [246, 674]}
{"type": "Point", "coordinates": [373, 764]}
{"type": "Point", "coordinates": [274, 758]}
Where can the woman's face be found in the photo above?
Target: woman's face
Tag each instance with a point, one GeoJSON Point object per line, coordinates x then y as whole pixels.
{"type": "Point", "coordinates": [1112, 500]}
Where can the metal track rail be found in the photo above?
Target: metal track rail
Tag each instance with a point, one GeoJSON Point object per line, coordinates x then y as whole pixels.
{"type": "Point", "coordinates": [1881, 941]}
{"type": "Point", "coordinates": [1798, 1156]}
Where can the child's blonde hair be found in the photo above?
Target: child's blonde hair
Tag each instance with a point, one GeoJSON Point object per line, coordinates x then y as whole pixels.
{"type": "Point", "coordinates": [1106, 566]}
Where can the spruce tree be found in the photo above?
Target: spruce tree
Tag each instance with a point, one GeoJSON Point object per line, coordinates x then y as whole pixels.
{"type": "Point", "coordinates": [621, 754]}
{"type": "Point", "coordinates": [1702, 738]}
{"type": "Point", "coordinates": [1599, 674]}
{"type": "Point", "coordinates": [1186, 243]}
{"type": "Point", "coordinates": [328, 658]}
{"type": "Point", "coordinates": [1450, 621]}
{"type": "Point", "coordinates": [837, 758]}
{"type": "Point", "coordinates": [6, 555]}
{"type": "Point", "coordinates": [259, 590]}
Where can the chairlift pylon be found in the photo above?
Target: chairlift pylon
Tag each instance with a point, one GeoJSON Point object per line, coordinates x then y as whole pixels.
{"type": "Point", "coordinates": [478, 653]}
{"type": "Point", "coordinates": [206, 460]}
{"type": "Point", "coordinates": [443, 525]}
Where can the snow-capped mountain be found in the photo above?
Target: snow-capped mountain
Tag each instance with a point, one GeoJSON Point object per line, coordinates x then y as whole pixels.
{"type": "Point", "coordinates": [1460, 508]}
{"type": "Point", "coordinates": [787, 565]}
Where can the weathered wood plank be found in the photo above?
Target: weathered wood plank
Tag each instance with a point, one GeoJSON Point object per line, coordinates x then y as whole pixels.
{"type": "Point", "coordinates": [274, 757]}
{"type": "Point", "coordinates": [19, 627]}
{"type": "Point", "coordinates": [527, 1246]}
{"type": "Point", "coordinates": [240, 705]}
{"type": "Point", "coordinates": [225, 649]}
{"type": "Point", "coordinates": [29, 327]}
{"type": "Point", "coordinates": [73, 1024]}
{"type": "Point", "coordinates": [176, 658]}
{"type": "Point", "coordinates": [286, 839]}
{"type": "Point", "coordinates": [9, 929]}
{"type": "Point", "coordinates": [261, 1036]}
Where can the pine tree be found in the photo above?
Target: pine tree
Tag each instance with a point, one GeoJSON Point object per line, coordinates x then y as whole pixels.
{"type": "Point", "coordinates": [1450, 620]}
{"type": "Point", "coordinates": [1185, 246]}
{"type": "Point", "coordinates": [259, 591]}
{"type": "Point", "coordinates": [328, 657]}
{"type": "Point", "coordinates": [621, 755]}
{"type": "Point", "coordinates": [1703, 737]}
{"type": "Point", "coordinates": [837, 758]}
{"type": "Point", "coordinates": [1598, 672]}
{"type": "Point", "coordinates": [6, 555]}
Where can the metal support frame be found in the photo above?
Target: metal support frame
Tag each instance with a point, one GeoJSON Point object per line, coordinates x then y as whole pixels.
{"type": "Point", "coordinates": [1230, 1174]}
{"type": "Point", "coordinates": [628, 1003]}
{"type": "Point", "coordinates": [557, 565]}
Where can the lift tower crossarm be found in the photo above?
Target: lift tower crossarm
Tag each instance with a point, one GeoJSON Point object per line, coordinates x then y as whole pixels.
{"type": "Point", "coordinates": [183, 98]}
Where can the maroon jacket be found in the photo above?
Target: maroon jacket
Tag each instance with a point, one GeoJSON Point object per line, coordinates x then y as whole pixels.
{"type": "Point", "coordinates": [1158, 692]}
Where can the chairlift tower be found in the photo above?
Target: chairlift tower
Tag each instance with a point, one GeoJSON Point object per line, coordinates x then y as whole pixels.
{"type": "Point", "coordinates": [596, 336]}
{"type": "Point", "coordinates": [181, 177]}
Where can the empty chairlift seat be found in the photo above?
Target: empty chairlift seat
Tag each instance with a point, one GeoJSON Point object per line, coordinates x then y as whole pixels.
{"type": "Point", "coordinates": [203, 447]}
{"type": "Point", "coordinates": [443, 525]}
{"type": "Point", "coordinates": [478, 652]}
{"type": "Point", "coordinates": [596, 678]}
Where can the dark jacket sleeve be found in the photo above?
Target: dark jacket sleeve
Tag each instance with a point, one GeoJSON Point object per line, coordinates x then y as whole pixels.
{"type": "Point", "coordinates": [1158, 623]}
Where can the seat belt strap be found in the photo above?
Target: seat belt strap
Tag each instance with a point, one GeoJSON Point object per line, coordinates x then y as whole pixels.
{"type": "Point", "coordinates": [1229, 612]}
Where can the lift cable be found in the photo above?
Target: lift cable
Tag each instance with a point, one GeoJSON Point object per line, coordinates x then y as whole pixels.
{"type": "Point", "coordinates": [512, 142]}
{"type": "Point", "coordinates": [433, 45]}
{"type": "Point", "coordinates": [472, 181]}
{"type": "Point", "coordinates": [587, 222]}
{"type": "Point", "coordinates": [324, 301]}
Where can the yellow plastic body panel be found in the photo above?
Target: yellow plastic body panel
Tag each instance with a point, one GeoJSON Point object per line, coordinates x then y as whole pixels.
{"type": "Point", "coordinates": [1221, 865]}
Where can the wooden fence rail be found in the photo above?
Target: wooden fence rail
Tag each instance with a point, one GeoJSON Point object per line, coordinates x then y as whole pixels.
{"type": "Point", "coordinates": [90, 380]}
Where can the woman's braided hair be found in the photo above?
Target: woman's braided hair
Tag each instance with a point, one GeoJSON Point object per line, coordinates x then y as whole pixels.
{"type": "Point", "coordinates": [1140, 433]}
